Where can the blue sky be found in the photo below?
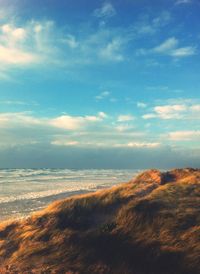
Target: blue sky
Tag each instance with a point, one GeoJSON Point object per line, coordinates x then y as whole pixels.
{"type": "Point", "coordinates": [99, 84]}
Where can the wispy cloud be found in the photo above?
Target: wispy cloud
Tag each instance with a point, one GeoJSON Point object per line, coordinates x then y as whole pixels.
{"type": "Point", "coordinates": [103, 95]}
{"type": "Point", "coordinates": [26, 119]}
{"type": "Point", "coordinates": [124, 127]}
{"type": "Point", "coordinates": [180, 2]}
{"type": "Point", "coordinates": [4, 76]}
{"type": "Point", "coordinates": [147, 25]}
{"type": "Point", "coordinates": [19, 103]}
{"type": "Point", "coordinates": [107, 10]}
{"type": "Point", "coordinates": [141, 105]}
{"type": "Point", "coordinates": [71, 41]}
{"type": "Point", "coordinates": [171, 48]}
{"type": "Point", "coordinates": [167, 45]}
{"type": "Point", "coordinates": [104, 46]}
{"type": "Point", "coordinates": [164, 89]}
{"type": "Point", "coordinates": [125, 118]}
{"type": "Point", "coordinates": [190, 135]}
{"type": "Point", "coordinates": [139, 145]}
{"type": "Point", "coordinates": [183, 52]}
{"type": "Point", "coordinates": [113, 50]}
{"type": "Point", "coordinates": [25, 45]}
{"type": "Point", "coordinates": [34, 43]}
{"type": "Point", "coordinates": [65, 143]}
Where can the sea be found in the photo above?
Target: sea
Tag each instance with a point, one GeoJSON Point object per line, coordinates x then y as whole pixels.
{"type": "Point", "coordinates": [23, 191]}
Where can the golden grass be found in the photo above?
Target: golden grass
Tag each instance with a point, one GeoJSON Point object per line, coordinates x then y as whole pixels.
{"type": "Point", "coordinates": [150, 225]}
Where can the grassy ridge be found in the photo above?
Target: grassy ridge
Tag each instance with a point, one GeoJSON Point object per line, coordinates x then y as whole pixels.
{"type": "Point", "coordinates": [147, 226]}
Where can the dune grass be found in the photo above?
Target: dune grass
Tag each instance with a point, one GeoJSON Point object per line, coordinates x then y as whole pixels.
{"type": "Point", "coordinates": [150, 225]}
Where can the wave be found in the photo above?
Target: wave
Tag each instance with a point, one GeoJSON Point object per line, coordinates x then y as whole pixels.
{"type": "Point", "coordinates": [47, 193]}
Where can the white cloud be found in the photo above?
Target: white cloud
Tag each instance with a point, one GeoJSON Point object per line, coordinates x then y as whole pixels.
{"type": "Point", "coordinates": [65, 143]}
{"type": "Point", "coordinates": [102, 115]}
{"type": "Point", "coordinates": [114, 144]}
{"type": "Point", "coordinates": [40, 42]}
{"type": "Point", "coordinates": [13, 46]}
{"type": "Point", "coordinates": [139, 145]}
{"type": "Point", "coordinates": [149, 116]}
{"type": "Point", "coordinates": [195, 108]}
{"type": "Point", "coordinates": [175, 111]}
{"type": "Point", "coordinates": [104, 145]}
{"type": "Point", "coordinates": [13, 34]}
{"type": "Point", "coordinates": [107, 10]}
{"type": "Point", "coordinates": [169, 111]}
{"type": "Point", "coordinates": [192, 135]}
{"type": "Point", "coordinates": [67, 122]}
{"type": "Point", "coordinates": [74, 123]}
{"type": "Point", "coordinates": [25, 119]}
{"type": "Point", "coordinates": [25, 45]}
{"type": "Point", "coordinates": [24, 128]}
{"type": "Point", "coordinates": [125, 118]}
{"type": "Point", "coordinates": [14, 56]}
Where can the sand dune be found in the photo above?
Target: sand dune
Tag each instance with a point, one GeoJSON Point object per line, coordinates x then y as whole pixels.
{"type": "Point", "coordinates": [150, 225]}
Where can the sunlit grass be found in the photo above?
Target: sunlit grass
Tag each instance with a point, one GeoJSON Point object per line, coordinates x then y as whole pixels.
{"type": "Point", "coordinates": [149, 225]}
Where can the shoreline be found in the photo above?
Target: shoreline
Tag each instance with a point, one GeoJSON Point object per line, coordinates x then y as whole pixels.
{"type": "Point", "coordinates": [36, 189]}
{"type": "Point", "coordinates": [46, 200]}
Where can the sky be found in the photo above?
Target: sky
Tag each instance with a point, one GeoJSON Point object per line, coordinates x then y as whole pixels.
{"type": "Point", "coordinates": [99, 84]}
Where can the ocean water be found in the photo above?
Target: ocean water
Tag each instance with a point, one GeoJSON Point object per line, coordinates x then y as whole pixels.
{"type": "Point", "coordinates": [23, 191]}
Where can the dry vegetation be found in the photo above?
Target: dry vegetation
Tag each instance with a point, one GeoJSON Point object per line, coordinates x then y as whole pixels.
{"type": "Point", "coordinates": [150, 225]}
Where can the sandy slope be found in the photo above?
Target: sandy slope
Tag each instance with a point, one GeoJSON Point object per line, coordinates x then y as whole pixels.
{"type": "Point", "coordinates": [147, 226]}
